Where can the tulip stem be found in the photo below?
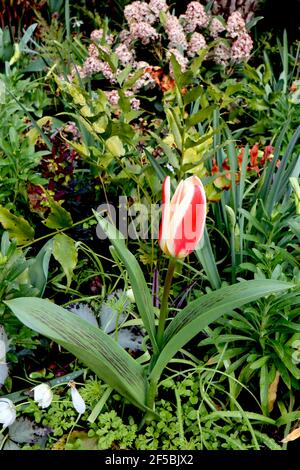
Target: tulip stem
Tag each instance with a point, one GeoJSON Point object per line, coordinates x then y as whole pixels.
{"type": "Point", "coordinates": [164, 303]}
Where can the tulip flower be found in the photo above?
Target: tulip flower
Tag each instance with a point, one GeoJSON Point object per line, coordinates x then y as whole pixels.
{"type": "Point", "coordinates": [43, 395]}
{"type": "Point", "coordinates": [7, 412]}
{"type": "Point", "coordinates": [183, 217]}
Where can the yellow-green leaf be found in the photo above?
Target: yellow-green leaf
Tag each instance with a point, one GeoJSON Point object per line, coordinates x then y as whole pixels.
{"type": "Point", "coordinates": [64, 251]}
{"type": "Point", "coordinates": [115, 146]}
{"type": "Point", "coordinates": [17, 227]}
{"type": "Point", "coordinates": [59, 217]}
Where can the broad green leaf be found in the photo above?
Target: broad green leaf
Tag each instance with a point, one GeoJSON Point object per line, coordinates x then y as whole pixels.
{"type": "Point", "coordinates": [115, 146]}
{"type": "Point", "coordinates": [140, 289]}
{"type": "Point", "coordinates": [58, 217]}
{"type": "Point", "coordinates": [17, 227]}
{"type": "Point", "coordinates": [90, 345]}
{"type": "Point", "coordinates": [38, 268]}
{"type": "Point", "coordinates": [201, 312]}
{"type": "Point", "coordinates": [64, 251]}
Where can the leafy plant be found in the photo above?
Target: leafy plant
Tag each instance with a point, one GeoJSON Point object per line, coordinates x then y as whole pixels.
{"type": "Point", "coordinates": [105, 357]}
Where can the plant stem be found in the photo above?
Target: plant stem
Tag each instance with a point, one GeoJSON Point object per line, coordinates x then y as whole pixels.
{"type": "Point", "coordinates": [164, 303]}
{"type": "Point", "coordinates": [61, 230]}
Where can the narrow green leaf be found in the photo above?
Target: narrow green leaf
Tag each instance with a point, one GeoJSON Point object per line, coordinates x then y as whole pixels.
{"type": "Point", "coordinates": [206, 257]}
{"type": "Point", "coordinates": [200, 116]}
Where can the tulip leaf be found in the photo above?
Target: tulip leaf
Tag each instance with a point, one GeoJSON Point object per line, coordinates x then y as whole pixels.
{"type": "Point", "coordinates": [140, 289]}
{"type": "Point", "coordinates": [89, 344]}
{"type": "Point", "coordinates": [201, 312]}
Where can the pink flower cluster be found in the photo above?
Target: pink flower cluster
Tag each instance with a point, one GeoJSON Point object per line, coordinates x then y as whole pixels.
{"type": "Point", "coordinates": [143, 31]}
{"type": "Point", "coordinates": [235, 25]}
{"type": "Point", "coordinates": [175, 33]}
{"type": "Point", "coordinates": [151, 22]}
{"type": "Point", "coordinates": [216, 27]}
{"type": "Point", "coordinates": [157, 6]}
{"type": "Point", "coordinates": [194, 17]}
{"type": "Point", "coordinates": [197, 42]}
{"type": "Point", "coordinates": [125, 55]}
{"type": "Point", "coordinates": [242, 47]}
{"type": "Point", "coordinates": [182, 61]}
{"type": "Point", "coordinates": [139, 12]}
{"type": "Point", "coordinates": [221, 54]}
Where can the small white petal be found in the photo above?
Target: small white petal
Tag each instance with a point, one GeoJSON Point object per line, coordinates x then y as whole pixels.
{"type": "Point", "coordinates": [130, 295]}
{"type": "Point", "coordinates": [78, 401]}
{"type": "Point", "coordinates": [43, 395]}
{"type": "Point", "coordinates": [7, 412]}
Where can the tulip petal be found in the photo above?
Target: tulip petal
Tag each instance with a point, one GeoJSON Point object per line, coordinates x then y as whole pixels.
{"type": "Point", "coordinates": [190, 222]}
{"type": "Point", "coordinates": [176, 222]}
{"type": "Point", "coordinates": [164, 226]}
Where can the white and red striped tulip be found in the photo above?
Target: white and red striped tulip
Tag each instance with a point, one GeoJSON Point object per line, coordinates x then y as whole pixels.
{"type": "Point", "coordinates": [183, 217]}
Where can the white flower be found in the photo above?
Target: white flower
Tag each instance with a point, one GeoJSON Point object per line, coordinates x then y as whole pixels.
{"type": "Point", "coordinates": [7, 412]}
{"type": "Point", "coordinates": [77, 400]}
{"type": "Point", "coordinates": [130, 296]}
{"type": "Point", "coordinates": [43, 395]}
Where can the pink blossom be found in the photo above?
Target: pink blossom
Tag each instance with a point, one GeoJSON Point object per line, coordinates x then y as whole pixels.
{"type": "Point", "coordinates": [125, 37]}
{"type": "Point", "coordinates": [175, 32]}
{"type": "Point", "coordinates": [195, 16]}
{"type": "Point", "coordinates": [144, 32]}
{"type": "Point", "coordinates": [139, 12]}
{"type": "Point", "coordinates": [125, 56]}
{"type": "Point", "coordinates": [97, 35]}
{"type": "Point", "coordinates": [113, 97]}
{"type": "Point", "coordinates": [216, 27]}
{"type": "Point", "coordinates": [242, 47]}
{"type": "Point", "coordinates": [196, 43]}
{"type": "Point", "coordinates": [92, 65]}
{"type": "Point", "coordinates": [182, 61]}
{"type": "Point", "coordinates": [135, 103]}
{"type": "Point", "coordinates": [107, 72]}
{"type": "Point", "coordinates": [93, 50]}
{"type": "Point", "coordinates": [235, 24]}
{"type": "Point", "coordinates": [222, 54]}
{"type": "Point", "coordinates": [157, 6]}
